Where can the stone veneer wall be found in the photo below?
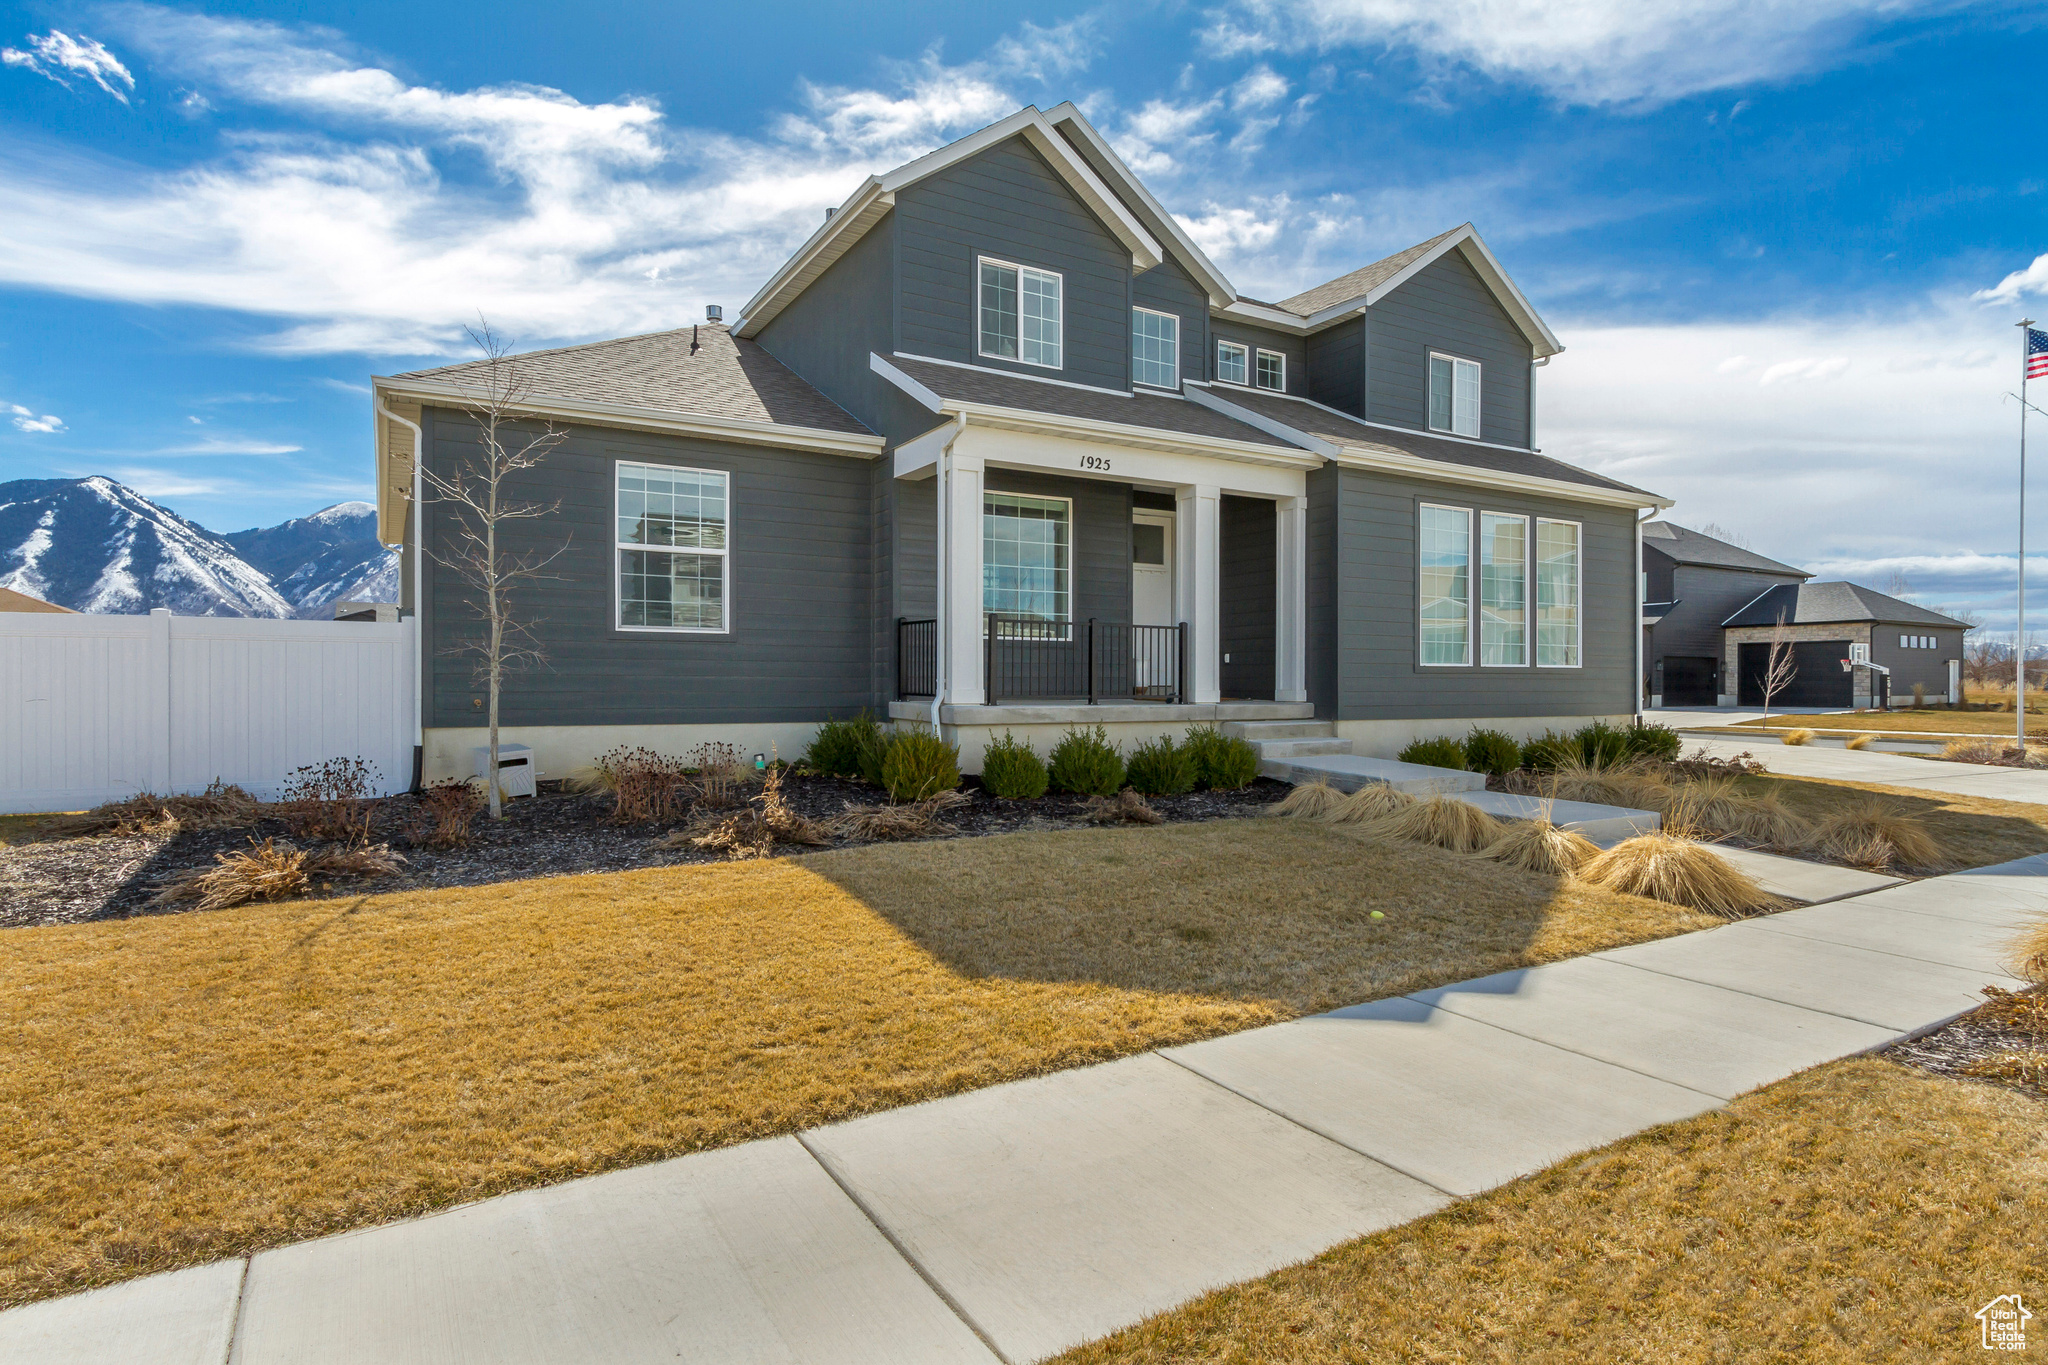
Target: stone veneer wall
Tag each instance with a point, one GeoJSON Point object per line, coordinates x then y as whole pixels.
{"type": "Point", "coordinates": [1734, 637]}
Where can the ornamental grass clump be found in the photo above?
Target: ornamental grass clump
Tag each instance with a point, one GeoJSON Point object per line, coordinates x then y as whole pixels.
{"type": "Point", "coordinates": [1127, 807]}
{"type": "Point", "coordinates": [919, 765]}
{"type": "Point", "coordinates": [1371, 803]}
{"type": "Point", "coordinates": [1859, 741]}
{"type": "Point", "coordinates": [221, 806]}
{"type": "Point", "coordinates": [271, 871]}
{"type": "Point", "coordinates": [918, 820]}
{"type": "Point", "coordinates": [836, 749]}
{"type": "Point", "coordinates": [1443, 821]}
{"type": "Point", "coordinates": [1678, 872]}
{"type": "Point", "coordinates": [1222, 762]}
{"type": "Point", "coordinates": [1442, 752]}
{"type": "Point", "coordinates": [1540, 846]}
{"type": "Point", "coordinates": [1309, 801]}
{"type": "Point", "coordinates": [1012, 769]}
{"type": "Point", "coordinates": [1159, 767]}
{"type": "Point", "coordinates": [1796, 737]}
{"type": "Point", "coordinates": [1085, 763]}
{"type": "Point", "coordinates": [1874, 833]}
{"type": "Point", "coordinates": [1494, 752]}
{"type": "Point", "coordinates": [768, 820]}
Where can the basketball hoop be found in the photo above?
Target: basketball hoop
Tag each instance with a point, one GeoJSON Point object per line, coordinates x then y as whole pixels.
{"type": "Point", "coordinates": [1848, 665]}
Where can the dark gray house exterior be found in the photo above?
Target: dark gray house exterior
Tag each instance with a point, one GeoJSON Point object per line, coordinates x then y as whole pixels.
{"type": "Point", "coordinates": [1830, 622]}
{"type": "Point", "coordinates": [999, 448]}
{"type": "Point", "coordinates": [1691, 584]}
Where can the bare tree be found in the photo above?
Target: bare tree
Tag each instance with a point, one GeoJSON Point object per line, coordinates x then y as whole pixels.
{"type": "Point", "coordinates": [1778, 667]}
{"type": "Point", "coordinates": [479, 490]}
{"type": "Point", "coordinates": [1896, 584]}
{"type": "Point", "coordinates": [1722, 533]}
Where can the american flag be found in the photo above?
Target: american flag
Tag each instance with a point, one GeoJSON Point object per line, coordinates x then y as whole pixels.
{"type": "Point", "coordinates": [2037, 354]}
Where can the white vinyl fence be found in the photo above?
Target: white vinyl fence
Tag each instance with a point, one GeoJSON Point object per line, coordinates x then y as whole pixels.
{"type": "Point", "coordinates": [97, 708]}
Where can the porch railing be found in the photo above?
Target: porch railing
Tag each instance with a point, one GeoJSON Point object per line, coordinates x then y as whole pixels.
{"type": "Point", "coordinates": [1026, 659]}
{"type": "Point", "coordinates": [917, 658]}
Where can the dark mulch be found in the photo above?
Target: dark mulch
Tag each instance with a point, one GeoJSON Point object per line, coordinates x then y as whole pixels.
{"type": "Point", "coordinates": [557, 833]}
{"type": "Point", "coordinates": [1981, 1045]}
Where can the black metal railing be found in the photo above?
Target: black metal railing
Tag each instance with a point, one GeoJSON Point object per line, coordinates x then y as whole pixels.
{"type": "Point", "coordinates": [1027, 659]}
{"type": "Point", "coordinates": [917, 658]}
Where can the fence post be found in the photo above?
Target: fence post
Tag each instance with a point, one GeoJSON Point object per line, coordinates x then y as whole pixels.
{"type": "Point", "coordinates": [160, 656]}
{"type": "Point", "coordinates": [988, 659]}
{"type": "Point", "coordinates": [1180, 671]}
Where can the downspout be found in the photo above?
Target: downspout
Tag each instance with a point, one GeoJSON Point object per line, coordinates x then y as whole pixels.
{"type": "Point", "coordinates": [1639, 595]}
{"type": "Point", "coordinates": [943, 469]}
{"type": "Point", "coordinates": [419, 552]}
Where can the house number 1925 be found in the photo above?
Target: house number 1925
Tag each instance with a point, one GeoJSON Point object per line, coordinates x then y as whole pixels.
{"type": "Point", "coordinates": [1095, 462]}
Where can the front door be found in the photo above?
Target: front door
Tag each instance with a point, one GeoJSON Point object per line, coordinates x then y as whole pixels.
{"type": "Point", "coordinates": [1152, 662]}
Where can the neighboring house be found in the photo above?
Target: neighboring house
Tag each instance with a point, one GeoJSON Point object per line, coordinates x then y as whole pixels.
{"type": "Point", "coordinates": [1830, 622]}
{"type": "Point", "coordinates": [999, 439]}
{"type": "Point", "coordinates": [10, 600]}
{"type": "Point", "coordinates": [1691, 584]}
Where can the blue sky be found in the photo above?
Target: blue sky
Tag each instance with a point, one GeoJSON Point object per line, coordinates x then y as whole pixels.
{"type": "Point", "coordinates": [1784, 244]}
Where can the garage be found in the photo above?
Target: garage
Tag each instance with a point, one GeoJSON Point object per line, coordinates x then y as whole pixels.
{"type": "Point", "coordinates": [1689, 681]}
{"type": "Point", "coordinates": [1818, 678]}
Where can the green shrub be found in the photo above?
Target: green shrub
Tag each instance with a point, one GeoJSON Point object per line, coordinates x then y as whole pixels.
{"type": "Point", "coordinates": [1653, 741]}
{"type": "Point", "coordinates": [1603, 745]}
{"type": "Point", "coordinates": [874, 751]}
{"type": "Point", "coordinates": [1492, 751]}
{"type": "Point", "coordinates": [1443, 752]}
{"type": "Point", "coordinates": [919, 764]}
{"type": "Point", "coordinates": [1085, 763]}
{"type": "Point", "coordinates": [1159, 767]}
{"type": "Point", "coordinates": [1011, 769]}
{"type": "Point", "coordinates": [1222, 762]}
{"type": "Point", "coordinates": [1551, 751]}
{"type": "Point", "coordinates": [837, 747]}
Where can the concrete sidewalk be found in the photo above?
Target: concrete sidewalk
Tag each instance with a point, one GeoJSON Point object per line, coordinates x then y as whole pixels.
{"type": "Point", "coordinates": [1891, 770]}
{"type": "Point", "coordinates": [1014, 1222]}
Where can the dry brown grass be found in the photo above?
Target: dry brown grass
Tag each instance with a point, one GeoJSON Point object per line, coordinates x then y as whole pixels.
{"type": "Point", "coordinates": [1539, 846]}
{"type": "Point", "coordinates": [1127, 807]}
{"type": "Point", "coordinates": [1667, 868]}
{"type": "Point", "coordinates": [2030, 954]}
{"type": "Point", "coordinates": [1442, 821]}
{"type": "Point", "coordinates": [914, 820]}
{"type": "Point", "coordinates": [1801, 736]}
{"type": "Point", "coordinates": [220, 806]}
{"type": "Point", "coordinates": [1861, 741]}
{"type": "Point", "coordinates": [768, 820]}
{"type": "Point", "coordinates": [1877, 833]}
{"type": "Point", "coordinates": [186, 1087]}
{"type": "Point", "coordinates": [1969, 831]}
{"type": "Point", "coordinates": [1309, 801]}
{"type": "Point", "coordinates": [1935, 720]}
{"type": "Point", "coordinates": [1860, 1212]}
{"type": "Point", "coordinates": [271, 871]}
{"type": "Point", "coordinates": [1372, 802]}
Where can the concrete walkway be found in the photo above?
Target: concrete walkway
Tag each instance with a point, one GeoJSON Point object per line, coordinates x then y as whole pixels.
{"type": "Point", "coordinates": [1014, 1222]}
{"type": "Point", "coordinates": [1892, 770]}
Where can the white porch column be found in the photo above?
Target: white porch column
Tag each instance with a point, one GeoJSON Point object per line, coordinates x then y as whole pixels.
{"type": "Point", "coordinates": [1197, 582]}
{"type": "Point", "coordinates": [1290, 611]}
{"type": "Point", "coordinates": [960, 580]}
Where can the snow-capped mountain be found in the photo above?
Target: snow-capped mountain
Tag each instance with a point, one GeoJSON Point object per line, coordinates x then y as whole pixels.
{"type": "Point", "coordinates": [96, 545]}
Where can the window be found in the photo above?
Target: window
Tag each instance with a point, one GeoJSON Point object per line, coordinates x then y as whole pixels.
{"type": "Point", "coordinates": [1155, 348]}
{"type": "Point", "coordinates": [1503, 590]}
{"type": "Point", "coordinates": [1903, 644]}
{"type": "Point", "coordinates": [1024, 556]}
{"type": "Point", "coordinates": [1446, 585]}
{"type": "Point", "coordinates": [1233, 363]}
{"type": "Point", "coordinates": [671, 548]}
{"type": "Point", "coordinates": [1453, 395]}
{"type": "Point", "coordinates": [1020, 314]}
{"type": "Point", "coordinates": [1148, 543]}
{"type": "Point", "coordinates": [1557, 594]}
{"type": "Point", "coordinates": [1272, 370]}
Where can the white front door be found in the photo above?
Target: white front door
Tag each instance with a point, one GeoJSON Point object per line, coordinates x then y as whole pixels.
{"type": "Point", "coordinates": [1152, 568]}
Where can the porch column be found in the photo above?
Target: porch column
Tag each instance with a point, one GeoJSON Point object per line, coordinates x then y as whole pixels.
{"type": "Point", "coordinates": [1197, 580]}
{"type": "Point", "coordinates": [960, 580]}
{"type": "Point", "coordinates": [1290, 611]}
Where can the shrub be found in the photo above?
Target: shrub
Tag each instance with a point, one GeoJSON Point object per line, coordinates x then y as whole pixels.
{"type": "Point", "coordinates": [1085, 763]}
{"type": "Point", "coordinates": [442, 816]}
{"type": "Point", "coordinates": [1443, 752]}
{"type": "Point", "coordinates": [874, 752]}
{"type": "Point", "coordinates": [720, 774]}
{"type": "Point", "coordinates": [1222, 762]}
{"type": "Point", "coordinates": [919, 765]}
{"type": "Point", "coordinates": [836, 749]}
{"type": "Point", "coordinates": [1551, 750]}
{"type": "Point", "coordinates": [1602, 743]}
{"type": "Point", "coordinates": [1660, 742]}
{"type": "Point", "coordinates": [1012, 769]}
{"type": "Point", "coordinates": [1492, 751]}
{"type": "Point", "coordinates": [329, 800]}
{"type": "Point", "coordinates": [1919, 696]}
{"type": "Point", "coordinates": [1159, 767]}
{"type": "Point", "coordinates": [646, 787]}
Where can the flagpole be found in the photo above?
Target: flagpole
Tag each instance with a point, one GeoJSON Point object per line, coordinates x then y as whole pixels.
{"type": "Point", "coordinates": [2020, 633]}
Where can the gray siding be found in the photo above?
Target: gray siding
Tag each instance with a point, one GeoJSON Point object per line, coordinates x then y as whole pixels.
{"type": "Point", "coordinates": [1166, 288]}
{"type": "Point", "coordinates": [1658, 571]}
{"type": "Point", "coordinates": [1336, 367]}
{"type": "Point", "coordinates": [1260, 339]}
{"type": "Point", "coordinates": [826, 332]}
{"type": "Point", "coordinates": [1446, 308]}
{"type": "Point", "coordinates": [1379, 666]}
{"type": "Point", "coordinates": [1008, 203]}
{"type": "Point", "coordinates": [1929, 667]}
{"type": "Point", "coordinates": [1247, 572]}
{"type": "Point", "coordinates": [1321, 591]}
{"type": "Point", "coordinates": [801, 643]}
{"type": "Point", "coordinates": [1706, 597]}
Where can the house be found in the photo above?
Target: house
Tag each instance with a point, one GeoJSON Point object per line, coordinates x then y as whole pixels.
{"type": "Point", "coordinates": [1829, 622]}
{"type": "Point", "coordinates": [1692, 583]}
{"type": "Point", "coordinates": [999, 447]}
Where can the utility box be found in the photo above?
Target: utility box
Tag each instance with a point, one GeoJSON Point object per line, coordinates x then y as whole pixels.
{"type": "Point", "coordinates": [515, 768]}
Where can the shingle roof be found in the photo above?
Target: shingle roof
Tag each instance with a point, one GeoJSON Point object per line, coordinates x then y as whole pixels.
{"type": "Point", "coordinates": [1000, 389]}
{"type": "Point", "coordinates": [1688, 546]}
{"type": "Point", "coordinates": [1821, 604]}
{"type": "Point", "coordinates": [1352, 434]}
{"type": "Point", "coordinates": [1361, 281]}
{"type": "Point", "coordinates": [721, 377]}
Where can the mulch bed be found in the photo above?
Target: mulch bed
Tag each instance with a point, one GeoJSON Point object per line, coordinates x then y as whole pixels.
{"type": "Point", "coordinates": [554, 834]}
{"type": "Point", "coordinates": [1969, 1047]}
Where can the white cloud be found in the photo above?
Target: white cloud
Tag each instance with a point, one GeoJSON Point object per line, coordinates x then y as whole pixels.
{"type": "Point", "coordinates": [1260, 87]}
{"type": "Point", "coordinates": [2032, 280]}
{"type": "Point", "coordinates": [25, 419]}
{"type": "Point", "coordinates": [1588, 52]}
{"type": "Point", "coordinates": [229, 445]}
{"type": "Point", "coordinates": [56, 52]}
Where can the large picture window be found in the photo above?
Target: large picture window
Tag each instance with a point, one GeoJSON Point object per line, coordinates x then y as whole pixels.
{"type": "Point", "coordinates": [1446, 578]}
{"type": "Point", "coordinates": [1155, 348]}
{"type": "Point", "coordinates": [1503, 590]}
{"type": "Point", "coordinates": [672, 548]}
{"type": "Point", "coordinates": [1021, 313]}
{"type": "Point", "coordinates": [1557, 594]}
{"type": "Point", "coordinates": [1026, 556]}
{"type": "Point", "coordinates": [1453, 395]}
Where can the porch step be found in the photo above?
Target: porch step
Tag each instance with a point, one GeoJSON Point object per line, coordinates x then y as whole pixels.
{"type": "Point", "coordinates": [1300, 748]}
{"type": "Point", "coordinates": [1260, 730]}
{"type": "Point", "coordinates": [1349, 772]}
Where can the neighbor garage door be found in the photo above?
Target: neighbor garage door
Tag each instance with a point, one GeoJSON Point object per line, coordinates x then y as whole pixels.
{"type": "Point", "coordinates": [1817, 676]}
{"type": "Point", "coordinates": [1688, 682]}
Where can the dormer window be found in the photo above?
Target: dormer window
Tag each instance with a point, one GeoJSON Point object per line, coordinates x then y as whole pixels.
{"type": "Point", "coordinates": [1021, 312]}
{"type": "Point", "coordinates": [1155, 348]}
{"type": "Point", "coordinates": [1233, 363]}
{"type": "Point", "coordinates": [1453, 395]}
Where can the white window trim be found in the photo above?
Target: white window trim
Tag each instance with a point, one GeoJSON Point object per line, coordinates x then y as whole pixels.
{"type": "Point", "coordinates": [1157, 313]}
{"type": "Point", "coordinates": [1471, 588]}
{"type": "Point", "coordinates": [1018, 359]}
{"type": "Point", "coordinates": [1249, 373]}
{"type": "Point", "coordinates": [1578, 593]}
{"type": "Point", "coordinates": [1280, 356]}
{"type": "Point", "coordinates": [724, 555]}
{"type": "Point", "coordinates": [1456, 360]}
{"type": "Point", "coordinates": [986, 494]}
{"type": "Point", "coordinates": [1528, 587]}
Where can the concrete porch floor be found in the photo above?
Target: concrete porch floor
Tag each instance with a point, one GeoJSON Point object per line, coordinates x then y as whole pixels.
{"type": "Point", "coordinates": [1079, 712]}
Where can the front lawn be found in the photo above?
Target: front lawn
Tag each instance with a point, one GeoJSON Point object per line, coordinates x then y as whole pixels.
{"type": "Point", "coordinates": [1932, 721]}
{"type": "Point", "coordinates": [1858, 1212]}
{"type": "Point", "coordinates": [186, 1087]}
{"type": "Point", "coordinates": [1973, 831]}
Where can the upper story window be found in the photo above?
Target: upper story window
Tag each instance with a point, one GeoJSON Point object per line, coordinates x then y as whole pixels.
{"type": "Point", "coordinates": [1272, 370]}
{"type": "Point", "coordinates": [671, 548]}
{"type": "Point", "coordinates": [1453, 395]}
{"type": "Point", "coordinates": [1155, 348]}
{"type": "Point", "coordinates": [1233, 363]}
{"type": "Point", "coordinates": [1021, 313]}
